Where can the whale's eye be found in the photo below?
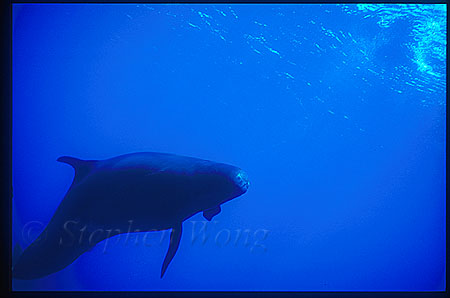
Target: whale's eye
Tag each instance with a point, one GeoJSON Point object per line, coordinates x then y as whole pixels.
{"type": "Point", "coordinates": [242, 180]}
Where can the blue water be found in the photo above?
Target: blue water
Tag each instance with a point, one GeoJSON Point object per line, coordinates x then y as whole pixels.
{"type": "Point", "coordinates": [336, 112]}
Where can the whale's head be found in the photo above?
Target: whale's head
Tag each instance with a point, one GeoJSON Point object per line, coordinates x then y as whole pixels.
{"type": "Point", "coordinates": [241, 181]}
{"type": "Point", "coordinates": [223, 183]}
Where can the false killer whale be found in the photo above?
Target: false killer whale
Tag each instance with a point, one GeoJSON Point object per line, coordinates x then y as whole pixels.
{"type": "Point", "coordinates": [154, 191]}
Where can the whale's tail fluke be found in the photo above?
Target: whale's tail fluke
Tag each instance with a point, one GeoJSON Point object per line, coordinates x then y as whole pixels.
{"type": "Point", "coordinates": [82, 167]}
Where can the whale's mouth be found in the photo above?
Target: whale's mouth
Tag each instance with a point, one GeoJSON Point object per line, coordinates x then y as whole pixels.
{"type": "Point", "coordinates": [242, 180]}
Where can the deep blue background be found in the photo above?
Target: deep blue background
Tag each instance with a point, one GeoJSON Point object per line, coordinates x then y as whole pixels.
{"type": "Point", "coordinates": [337, 113]}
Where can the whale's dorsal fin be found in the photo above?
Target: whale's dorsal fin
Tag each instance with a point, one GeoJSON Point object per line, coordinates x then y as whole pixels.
{"type": "Point", "coordinates": [175, 237]}
{"type": "Point", "coordinates": [82, 167]}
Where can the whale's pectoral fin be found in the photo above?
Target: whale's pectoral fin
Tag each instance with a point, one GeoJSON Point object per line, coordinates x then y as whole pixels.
{"type": "Point", "coordinates": [175, 237]}
{"type": "Point", "coordinates": [210, 213]}
{"type": "Point", "coordinates": [82, 167]}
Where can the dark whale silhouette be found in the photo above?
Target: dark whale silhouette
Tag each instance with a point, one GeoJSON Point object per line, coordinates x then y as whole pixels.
{"type": "Point", "coordinates": [153, 191]}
